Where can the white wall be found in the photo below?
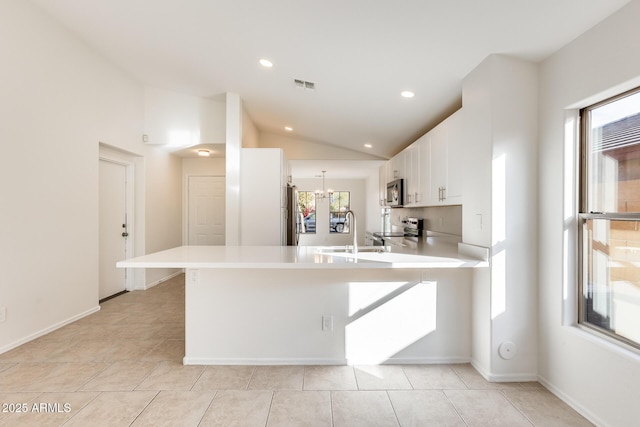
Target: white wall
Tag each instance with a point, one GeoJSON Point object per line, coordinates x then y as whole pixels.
{"type": "Point", "coordinates": [599, 379]}
{"type": "Point", "coordinates": [180, 120]}
{"type": "Point", "coordinates": [250, 134]}
{"type": "Point", "coordinates": [59, 101]}
{"type": "Point", "coordinates": [322, 236]}
{"type": "Point", "coordinates": [500, 113]}
{"type": "Point", "coordinates": [476, 101]}
{"type": "Point", "coordinates": [203, 166]}
{"type": "Point", "coordinates": [514, 219]}
{"type": "Point", "coordinates": [163, 207]}
{"type": "Point", "coordinates": [234, 128]}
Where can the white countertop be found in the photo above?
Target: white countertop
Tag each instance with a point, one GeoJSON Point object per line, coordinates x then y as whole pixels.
{"type": "Point", "coordinates": [292, 257]}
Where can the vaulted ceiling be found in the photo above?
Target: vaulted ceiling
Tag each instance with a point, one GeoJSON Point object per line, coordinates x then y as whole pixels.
{"type": "Point", "coordinates": [359, 54]}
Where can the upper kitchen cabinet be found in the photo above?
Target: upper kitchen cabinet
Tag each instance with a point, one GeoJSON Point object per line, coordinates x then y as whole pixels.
{"type": "Point", "coordinates": [432, 167]}
{"type": "Point", "coordinates": [423, 196]}
{"type": "Point", "coordinates": [437, 142]}
{"type": "Point", "coordinates": [413, 182]}
{"type": "Point", "coordinates": [445, 173]}
{"type": "Point", "coordinates": [382, 184]}
{"type": "Point", "coordinates": [396, 167]}
{"type": "Point", "coordinates": [455, 154]}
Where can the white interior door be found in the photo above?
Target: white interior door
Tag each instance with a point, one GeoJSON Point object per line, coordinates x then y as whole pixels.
{"type": "Point", "coordinates": [112, 212]}
{"type": "Point", "coordinates": [206, 206]}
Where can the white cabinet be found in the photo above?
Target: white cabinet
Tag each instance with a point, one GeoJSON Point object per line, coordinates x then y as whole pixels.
{"type": "Point", "coordinates": [382, 185]}
{"type": "Point", "coordinates": [423, 198]}
{"type": "Point", "coordinates": [432, 167]}
{"type": "Point", "coordinates": [455, 158]}
{"type": "Point", "coordinates": [263, 204]}
{"type": "Point", "coordinates": [412, 165]}
{"type": "Point", "coordinates": [413, 184]}
{"type": "Point", "coordinates": [445, 174]}
{"type": "Point", "coordinates": [396, 168]}
{"type": "Point", "coordinates": [438, 164]}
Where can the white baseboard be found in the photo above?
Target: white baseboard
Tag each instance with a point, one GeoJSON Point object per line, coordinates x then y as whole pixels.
{"type": "Point", "coordinates": [505, 378]}
{"type": "Point", "coordinates": [590, 416]}
{"type": "Point", "coordinates": [412, 361]}
{"type": "Point", "coordinates": [512, 378]}
{"type": "Point", "coordinates": [48, 329]}
{"type": "Point", "coordinates": [157, 282]}
{"type": "Point", "coordinates": [261, 362]}
{"type": "Point", "coordinates": [313, 361]}
{"type": "Point", "coordinates": [479, 369]}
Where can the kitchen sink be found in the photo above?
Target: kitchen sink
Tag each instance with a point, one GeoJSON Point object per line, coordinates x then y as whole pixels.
{"type": "Point", "coordinates": [348, 249]}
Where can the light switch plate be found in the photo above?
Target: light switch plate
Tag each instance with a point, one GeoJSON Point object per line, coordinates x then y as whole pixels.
{"type": "Point", "coordinates": [3, 314]}
{"type": "Point", "coordinates": [327, 323]}
{"type": "Point", "coordinates": [194, 277]}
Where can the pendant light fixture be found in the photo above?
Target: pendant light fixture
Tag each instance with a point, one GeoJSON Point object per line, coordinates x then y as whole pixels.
{"type": "Point", "coordinates": [324, 194]}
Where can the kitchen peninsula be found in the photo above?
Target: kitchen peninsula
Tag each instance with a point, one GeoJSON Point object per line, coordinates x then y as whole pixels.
{"type": "Point", "coordinates": [312, 305]}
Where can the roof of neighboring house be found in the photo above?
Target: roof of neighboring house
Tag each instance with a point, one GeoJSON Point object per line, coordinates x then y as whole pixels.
{"type": "Point", "coordinates": [619, 134]}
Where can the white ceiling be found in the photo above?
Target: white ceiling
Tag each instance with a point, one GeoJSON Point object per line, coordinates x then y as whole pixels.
{"type": "Point", "coordinates": [360, 54]}
{"type": "Point", "coordinates": [342, 169]}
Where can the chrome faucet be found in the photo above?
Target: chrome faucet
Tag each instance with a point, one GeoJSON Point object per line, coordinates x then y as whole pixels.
{"type": "Point", "coordinates": [354, 226]}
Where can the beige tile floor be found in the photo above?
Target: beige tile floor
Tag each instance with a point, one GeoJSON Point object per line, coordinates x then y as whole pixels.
{"type": "Point", "coordinates": [122, 367]}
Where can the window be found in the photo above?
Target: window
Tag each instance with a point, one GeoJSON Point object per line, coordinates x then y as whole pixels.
{"type": "Point", "coordinates": [338, 206]}
{"type": "Point", "coordinates": [307, 203]}
{"type": "Point", "coordinates": [609, 218]}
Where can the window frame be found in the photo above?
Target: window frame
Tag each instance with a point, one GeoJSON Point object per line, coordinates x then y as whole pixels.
{"type": "Point", "coordinates": [345, 230]}
{"type": "Point", "coordinates": [583, 215]}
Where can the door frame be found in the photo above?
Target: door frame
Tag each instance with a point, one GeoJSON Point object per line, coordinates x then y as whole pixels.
{"type": "Point", "coordinates": [113, 155]}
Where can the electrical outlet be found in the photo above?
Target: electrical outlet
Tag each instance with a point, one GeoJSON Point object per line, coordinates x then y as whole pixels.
{"type": "Point", "coordinates": [3, 314]}
{"type": "Point", "coordinates": [327, 323]}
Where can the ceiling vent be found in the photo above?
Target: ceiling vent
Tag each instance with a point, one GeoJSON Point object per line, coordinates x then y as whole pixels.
{"type": "Point", "coordinates": [303, 84]}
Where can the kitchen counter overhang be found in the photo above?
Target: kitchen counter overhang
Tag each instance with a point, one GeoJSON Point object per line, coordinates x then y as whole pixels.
{"type": "Point", "coordinates": [291, 257]}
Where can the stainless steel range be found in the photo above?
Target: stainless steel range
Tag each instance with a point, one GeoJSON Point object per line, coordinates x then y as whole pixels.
{"type": "Point", "coordinates": [412, 227]}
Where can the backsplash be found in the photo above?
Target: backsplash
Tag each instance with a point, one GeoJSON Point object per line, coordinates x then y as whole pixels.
{"type": "Point", "coordinates": [443, 219]}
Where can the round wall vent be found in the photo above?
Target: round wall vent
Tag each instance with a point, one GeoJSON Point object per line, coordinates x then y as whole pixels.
{"type": "Point", "coordinates": [507, 350]}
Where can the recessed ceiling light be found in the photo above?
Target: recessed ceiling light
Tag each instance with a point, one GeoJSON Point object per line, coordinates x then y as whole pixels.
{"type": "Point", "coordinates": [266, 63]}
{"type": "Point", "coordinates": [288, 128]}
{"type": "Point", "coordinates": [407, 94]}
{"type": "Point", "coordinates": [368, 145]}
{"type": "Point", "coordinates": [204, 153]}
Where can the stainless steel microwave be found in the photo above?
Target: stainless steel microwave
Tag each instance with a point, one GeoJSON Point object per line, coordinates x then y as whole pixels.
{"type": "Point", "coordinates": [395, 193]}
